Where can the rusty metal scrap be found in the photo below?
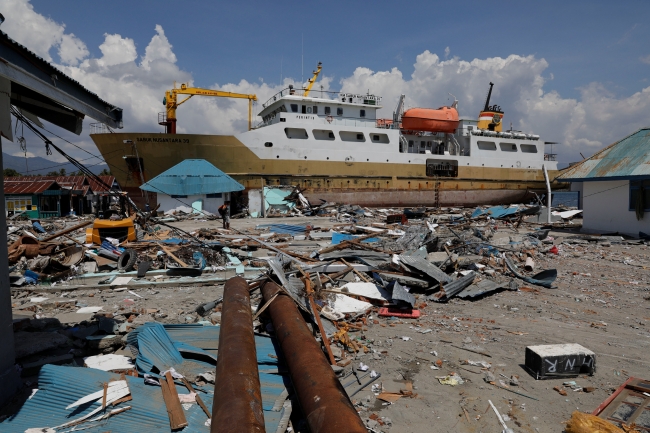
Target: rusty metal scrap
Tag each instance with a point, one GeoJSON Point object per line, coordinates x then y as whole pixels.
{"type": "Point", "coordinates": [321, 396]}
{"type": "Point", "coordinates": [237, 406]}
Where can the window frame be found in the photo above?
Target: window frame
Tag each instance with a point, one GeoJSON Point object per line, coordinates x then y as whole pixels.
{"type": "Point", "coordinates": [633, 187]}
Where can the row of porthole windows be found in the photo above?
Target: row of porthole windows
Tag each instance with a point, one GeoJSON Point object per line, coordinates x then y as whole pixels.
{"type": "Point", "coordinates": [506, 147]}
{"type": "Point", "coordinates": [313, 109]}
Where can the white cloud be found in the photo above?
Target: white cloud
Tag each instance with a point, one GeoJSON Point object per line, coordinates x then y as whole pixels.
{"type": "Point", "coordinates": [39, 33]}
{"type": "Point", "coordinates": [72, 49]}
{"type": "Point", "coordinates": [645, 59]}
{"type": "Point", "coordinates": [584, 124]}
{"type": "Point", "coordinates": [158, 49]}
{"type": "Point", "coordinates": [117, 50]}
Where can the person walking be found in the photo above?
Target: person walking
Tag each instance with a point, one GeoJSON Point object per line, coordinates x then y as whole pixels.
{"type": "Point", "coordinates": [224, 211]}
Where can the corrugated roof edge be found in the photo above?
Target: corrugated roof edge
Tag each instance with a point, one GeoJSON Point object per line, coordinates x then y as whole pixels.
{"type": "Point", "coordinates": [48, 64]}
{"type": "Point", "coordinates": [566, 173]}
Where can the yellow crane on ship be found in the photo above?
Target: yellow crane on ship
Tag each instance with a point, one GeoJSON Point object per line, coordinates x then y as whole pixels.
{"type": "Point", "coordinates": [171, 103]}
{"type": "Point", "coordinates": [312, 80]}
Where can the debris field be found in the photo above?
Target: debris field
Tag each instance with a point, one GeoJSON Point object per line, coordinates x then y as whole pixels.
{"type": "Point", "coordinates": [426, 319]}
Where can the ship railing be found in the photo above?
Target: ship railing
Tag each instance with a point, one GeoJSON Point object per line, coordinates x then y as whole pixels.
{"type": "Point", "coordinates": [100, 128]}
{"type": "Point", "coordinates": [550, 157]}
{"type": "Point", "coordinates": [296, 92]}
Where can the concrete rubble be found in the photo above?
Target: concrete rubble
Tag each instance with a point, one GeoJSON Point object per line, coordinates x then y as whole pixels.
{"type": "Point", "coordinates": [424, 315]}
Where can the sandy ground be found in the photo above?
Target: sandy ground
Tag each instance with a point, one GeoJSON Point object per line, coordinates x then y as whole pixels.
{"type": "Point", "coordinates": [602, 302]}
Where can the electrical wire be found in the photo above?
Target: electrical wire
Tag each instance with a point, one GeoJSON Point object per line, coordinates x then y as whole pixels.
{"type": "Point", "coordinates": [80, 166]}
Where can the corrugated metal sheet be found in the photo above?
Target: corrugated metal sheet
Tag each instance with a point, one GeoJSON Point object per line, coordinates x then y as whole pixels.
{"type": "Point", "coordinates": [628, 157]}
{"type": "Point", "coordinates": [60, 386]}
{"type": "Point", "coordinates": [291, 229]}
{"type": "Point", "coordinates": [425, 267]}
{"type": "Point", "coordinates": [50, 69]}
{"type": "Point", "coordinates": [27, 187]}
{"type": "Point", "coordinates": [190, 177]}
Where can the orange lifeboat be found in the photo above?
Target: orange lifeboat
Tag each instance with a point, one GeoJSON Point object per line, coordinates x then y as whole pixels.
{"type": "Point", "coordinates": [444, 119]}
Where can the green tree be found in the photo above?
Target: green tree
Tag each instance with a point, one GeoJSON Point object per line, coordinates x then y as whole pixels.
{"type": "Point", "coordinates": [52, 173]}
{"type": "Point", "coordinates": [10, 172]}
{"type": "Point", "coordinates": [62, 172]}
{"type": "Point", "coordinates": [105, 172]}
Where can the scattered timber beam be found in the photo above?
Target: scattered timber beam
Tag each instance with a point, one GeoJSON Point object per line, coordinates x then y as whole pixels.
{"type": "Point", "coordinates": [322, 397]}
{"type": "Point", "coordinates": [66, 231]}
{"type": "Point", "coordinates": [237, 406]}
{"type": "Point", "coordinates": [176, 259]}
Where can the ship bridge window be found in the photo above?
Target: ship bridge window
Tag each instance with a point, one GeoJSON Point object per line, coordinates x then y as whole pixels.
{"type": "Point", "coordinates": [486, 145]}
{"type": "Point", "coordinates": [323, 134]}
{"type": "Point", "coordinates": [328, 110]}
{"type": "Point", "coordinates": [304, 109]}
{"type": "Point", "coordinates": [296, 133]}
{"type": "Point", "coordinates": [352, 136]}
{"type": "Point", "coordinates": [442, 168]}
{"type": "Point", "coordinates": [339, 112]}
{"type": "Point", "coordinates": [508, 147]}
{"type": "Point", "coordinates": [308, 110]}
{"type": "Point", "coordinates": [380, 138]}
{"type": "Point", "coordinates": [294, 108]}
{"type": "Point", "coordinates": [529, 148]}
{"type": "Point", "coordinates": [362, 113]}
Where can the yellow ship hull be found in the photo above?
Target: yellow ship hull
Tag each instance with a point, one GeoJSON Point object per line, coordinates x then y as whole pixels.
{"type": "Point", "coordinates": [362, 183]}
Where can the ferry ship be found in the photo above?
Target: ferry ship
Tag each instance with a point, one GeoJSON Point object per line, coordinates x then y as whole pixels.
{"type": "Point", "coordinates": [335, 148]}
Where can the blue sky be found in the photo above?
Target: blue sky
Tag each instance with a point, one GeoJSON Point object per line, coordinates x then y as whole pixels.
{"type": "Point", "coordinates": [575, 72]}
{"type": "Point", "coordinates": [583, 41]}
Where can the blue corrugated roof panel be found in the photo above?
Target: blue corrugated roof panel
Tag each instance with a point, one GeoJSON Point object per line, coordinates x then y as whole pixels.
{"type": "Point", "coordinates": [629, 157]}
{"type": "Point", "coordinates": [291, 229]}
{"type": "Point", "coordinates": [191, 177]}
{"type": "Point", "coordinates": [60, 386]}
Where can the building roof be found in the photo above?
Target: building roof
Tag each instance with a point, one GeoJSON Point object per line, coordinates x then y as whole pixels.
{"type": "Point", "coordinates": [29, 72]}
{"type": "Point", "coordinates": [192, 177]}
{"type": "Point", "coordinates": [629, 157]}
{"type": "Point", "coordinates": [31, 186]}
{"type": "Point", "coordinates": [98, 187]}
{"type": "Point", "coordinates": [74, 183]}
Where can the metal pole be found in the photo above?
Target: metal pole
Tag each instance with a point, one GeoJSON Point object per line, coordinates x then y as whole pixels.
{"type": "Point", "coordinates": [9, 377]}
{"type": "Point", "coordinates": [320, 394]}
{"type": "Point", "coordinates": [548, 195]}
{"type": "Point", "coordinates": [237, 406]}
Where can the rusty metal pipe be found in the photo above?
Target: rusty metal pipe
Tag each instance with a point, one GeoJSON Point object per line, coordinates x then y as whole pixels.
{"type": "Point", "coordinates": [322, 398]}
{"type": "Point", "coordinates": [237, 406]}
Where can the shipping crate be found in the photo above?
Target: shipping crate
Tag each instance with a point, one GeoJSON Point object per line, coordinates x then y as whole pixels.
{"type": "Point", "coordinates": [560, 360]}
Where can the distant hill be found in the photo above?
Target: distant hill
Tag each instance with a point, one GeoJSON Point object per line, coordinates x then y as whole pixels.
{"type": "Point", "coordinates": [38, 165]}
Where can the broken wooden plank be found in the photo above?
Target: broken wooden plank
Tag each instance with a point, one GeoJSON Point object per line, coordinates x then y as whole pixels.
{"type": "Point", "coordinates": [190, 388]}
{"type": "Point", "coordinates": [177, 418]}
{"type": "Point", "coordinates": [176, 259]}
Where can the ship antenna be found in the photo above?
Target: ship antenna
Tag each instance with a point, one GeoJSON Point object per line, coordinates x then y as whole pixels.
{"type": "Point", "coordinates": [487, 100]}
{"type": "Point", "coordinates": [455, 104]}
